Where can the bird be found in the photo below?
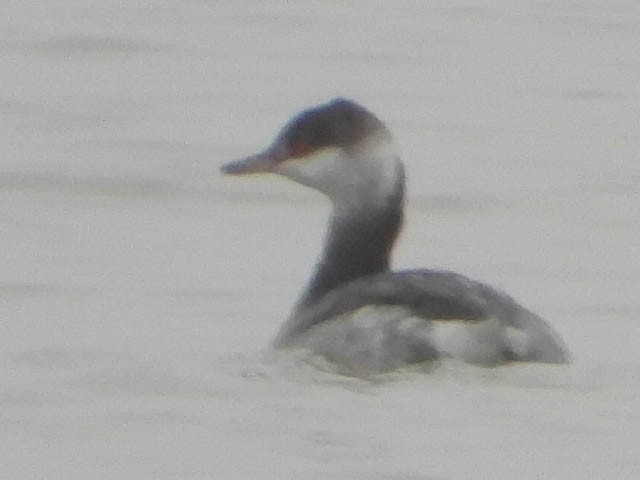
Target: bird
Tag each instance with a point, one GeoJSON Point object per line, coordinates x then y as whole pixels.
{"type": "Point", "coordinates": [355, 311]}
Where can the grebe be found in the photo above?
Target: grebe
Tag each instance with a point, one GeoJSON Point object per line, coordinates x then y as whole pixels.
{"type": "Point", "coordinates": [357, 312]}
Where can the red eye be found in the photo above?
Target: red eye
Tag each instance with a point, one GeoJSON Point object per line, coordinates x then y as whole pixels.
{"type": "Point", "coordinates": [299, 148]}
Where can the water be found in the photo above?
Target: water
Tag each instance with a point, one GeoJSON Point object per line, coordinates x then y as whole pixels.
{"type": "Point", "coordinates": [139, 289]}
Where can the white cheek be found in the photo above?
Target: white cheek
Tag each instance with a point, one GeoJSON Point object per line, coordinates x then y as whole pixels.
{"type": "Point", "coordinates": [326, 170]}
{"type": "Point", "coordinates": [364, 176]}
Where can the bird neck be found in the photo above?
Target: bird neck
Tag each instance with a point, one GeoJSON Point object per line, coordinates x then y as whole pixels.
{"type": "Point", "coordinates": [358, 243]}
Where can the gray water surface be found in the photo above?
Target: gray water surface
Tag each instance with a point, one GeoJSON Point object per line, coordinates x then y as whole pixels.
{"type": "Point", "coordinates": [139, 289]}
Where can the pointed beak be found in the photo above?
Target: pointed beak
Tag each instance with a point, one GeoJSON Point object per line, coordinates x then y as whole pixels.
{"type": "Point", "coordinates": [263, 162]}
